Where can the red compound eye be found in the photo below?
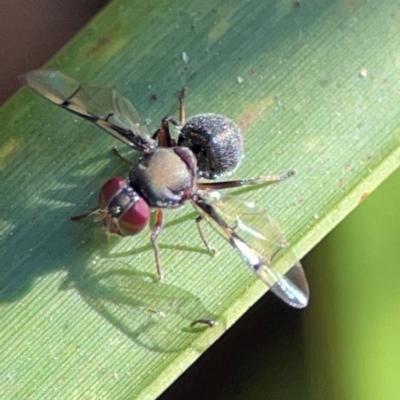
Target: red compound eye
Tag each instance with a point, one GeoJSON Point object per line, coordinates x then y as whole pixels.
{"type": "Point", "coordinates": [126, 212]}
{"type": "Point", "coordinates": [110, 190]}
{"type": "Point", "coordinates": [135, 218]}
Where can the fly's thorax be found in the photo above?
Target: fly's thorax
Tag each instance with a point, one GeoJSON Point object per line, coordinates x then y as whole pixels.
{"type": "Point", "coordinates": [166, 177]}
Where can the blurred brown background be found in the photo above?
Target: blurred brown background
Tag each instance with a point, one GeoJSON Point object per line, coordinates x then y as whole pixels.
{"type": "Point", "coordinates": [32, 31]}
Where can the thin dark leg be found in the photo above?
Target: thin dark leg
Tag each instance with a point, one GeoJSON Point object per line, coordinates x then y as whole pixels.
{"type": "Point", "coordinates": [154, 235]}
{"type": "Point", "coordinates": [95, 210]}
{"type": "Point", "coordinates": [209, 322]}
{"type": "Point", "coordinates": [202, 236]}
{"type": "Point", "coordinates": [173, 121]}
{"type": "Point", "coordinates": [163, 134]}
{"type": "Point", "coordinates": [281, 247]}
{"type": "Point", "coordinates": [122, 158]}
{"type": "Point", "coordinates": [261, 180]}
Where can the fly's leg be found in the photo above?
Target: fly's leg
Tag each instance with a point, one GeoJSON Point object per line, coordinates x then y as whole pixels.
{"type": "Point", "coordinates": [209, 322]}
{"type": "Point", "coordinates": [95, 210]}
{"type": "Point", "coordinates": [202, 236]}
{"type": "Point", "coordinates": [261, 180]}
{"type": "Point", "coordinates": [154, 235]}
{"type": "Point", "coordinates": [163, 134]}
{"type": "Point", "coordinates": [122, 158]}
{"type": "Point", "coordinates": [182, 113]}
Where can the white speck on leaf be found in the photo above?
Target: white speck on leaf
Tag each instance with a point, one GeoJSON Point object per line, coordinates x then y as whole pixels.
{"type": "Point", "coordinates": [363, 73]}
{"type": "Point", "coordinates": [185, 57]}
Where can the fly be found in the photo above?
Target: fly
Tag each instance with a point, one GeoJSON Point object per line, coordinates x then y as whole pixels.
{"type": "Point", "coordinates": [170, 172]}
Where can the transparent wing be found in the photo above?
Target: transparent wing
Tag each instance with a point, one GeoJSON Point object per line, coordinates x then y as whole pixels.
{"type": "Point", "coordinates": [259, 242]}
{"type": "Point", "coordinates": [101, 105]}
